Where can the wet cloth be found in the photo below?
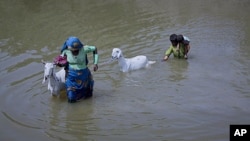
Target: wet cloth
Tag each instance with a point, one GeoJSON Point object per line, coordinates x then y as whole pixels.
{"type": "Point", "coordinates": [79, 84]}
{"type": "Point", "coordinates": [60, 60]}
{"type": "Point", "coordinates": [178, 53]}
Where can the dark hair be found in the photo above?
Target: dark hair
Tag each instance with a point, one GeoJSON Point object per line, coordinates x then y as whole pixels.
{"type": "Point", "coordinates": [173, 38]}
{"type": "Point", "coordinates": [180, 38]}
{"type": "Point", "coordinates": [185, 42]}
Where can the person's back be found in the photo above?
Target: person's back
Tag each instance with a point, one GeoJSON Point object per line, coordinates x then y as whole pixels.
{"type": "Point", "coordinates": [183, 42]}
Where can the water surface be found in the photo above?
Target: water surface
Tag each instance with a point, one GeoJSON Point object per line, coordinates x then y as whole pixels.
{"type": "Point", "coordinates": [195, 99]}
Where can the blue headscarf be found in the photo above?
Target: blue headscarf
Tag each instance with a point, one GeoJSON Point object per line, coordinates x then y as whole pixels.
{"type": "Point", "coordinates": [70, 41]}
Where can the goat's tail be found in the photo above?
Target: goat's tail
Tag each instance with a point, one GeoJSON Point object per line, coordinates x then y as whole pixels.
{"type": "Point", "coordinates": [151, 62]}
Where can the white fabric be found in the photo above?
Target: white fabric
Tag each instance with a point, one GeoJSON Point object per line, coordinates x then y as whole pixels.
{"type": "Point", "coordinates": [186, 38]}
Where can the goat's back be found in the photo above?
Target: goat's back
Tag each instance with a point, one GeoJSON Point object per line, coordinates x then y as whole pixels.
{"type": "Point", "coordinates": [61, 75]}
{"type": "Point", "coordinates": [137, 62]}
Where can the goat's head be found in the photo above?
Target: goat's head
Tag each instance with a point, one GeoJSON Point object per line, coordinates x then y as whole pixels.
{"type": "Point", "coordinates": [116, 53]}
{"type": "Point", "coordinates": [48, 70]}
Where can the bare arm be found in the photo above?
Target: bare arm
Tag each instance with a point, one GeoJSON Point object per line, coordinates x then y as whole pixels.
{"type": "Point", "coordinates": [167, 54]}
{"type": "Point", "coordinates": [96, 59]}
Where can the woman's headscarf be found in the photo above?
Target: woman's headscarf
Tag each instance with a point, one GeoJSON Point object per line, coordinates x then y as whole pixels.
{"type": "Point", "coordinates": [70, 42]}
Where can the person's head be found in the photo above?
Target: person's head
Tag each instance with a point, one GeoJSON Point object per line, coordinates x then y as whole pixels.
{"type": "Point", "coordinates": [180, 38]}
{"type": "Point", "coordinates": [74, 45]}
{"type": "Point", "coordinates": [74, 48]}
{"type": "Point", "coordinates": [173, 39]}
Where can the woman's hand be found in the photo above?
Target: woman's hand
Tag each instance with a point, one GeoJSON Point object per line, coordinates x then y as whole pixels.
{"type": "Point", "coordinates": [95, 67]}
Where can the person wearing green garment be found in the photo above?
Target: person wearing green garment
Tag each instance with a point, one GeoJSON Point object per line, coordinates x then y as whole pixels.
{"type": "Point", "coordinates": [179, 47]}
{"type": "Point", "coordinates": [79, 81]}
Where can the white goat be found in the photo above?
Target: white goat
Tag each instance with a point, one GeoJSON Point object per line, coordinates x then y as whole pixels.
{"type": "Point", "coordinates": [56, 80]}
{"type": "Point", "coordinates": [128, 64]}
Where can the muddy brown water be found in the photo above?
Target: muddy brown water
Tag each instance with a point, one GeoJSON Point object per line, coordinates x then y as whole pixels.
{"type": "Point", "coordinates": [175, 100]}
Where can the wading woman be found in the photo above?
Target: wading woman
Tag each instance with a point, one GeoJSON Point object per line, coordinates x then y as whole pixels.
{"type": "Point", "coordinates": [79, 81]}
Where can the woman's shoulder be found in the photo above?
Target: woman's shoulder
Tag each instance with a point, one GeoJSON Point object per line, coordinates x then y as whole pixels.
{"type": "Point", "coordinates": [89, 48]}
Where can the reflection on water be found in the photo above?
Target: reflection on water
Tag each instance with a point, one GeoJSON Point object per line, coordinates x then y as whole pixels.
{"type": "Point", "coordinates": [175, 100]}
{"type": "Point", "coordinates": [178, 68]}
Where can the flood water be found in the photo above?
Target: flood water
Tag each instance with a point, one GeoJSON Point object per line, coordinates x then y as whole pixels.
{"type": "Point", "coordinates": [178, 100]}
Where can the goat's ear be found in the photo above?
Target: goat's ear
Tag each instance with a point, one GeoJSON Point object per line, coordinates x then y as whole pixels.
{"type": "Point", "coordinates": [43, 61]}
{"type": "Point", "coordinates": [118, 54]}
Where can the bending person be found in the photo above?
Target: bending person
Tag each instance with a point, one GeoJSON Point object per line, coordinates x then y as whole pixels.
{"type": "Point", "coordinates": [79, 81]}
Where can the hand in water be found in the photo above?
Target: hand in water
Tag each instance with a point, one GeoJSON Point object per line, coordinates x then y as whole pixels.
{"type": "Point", "coordinates": [185, 56]}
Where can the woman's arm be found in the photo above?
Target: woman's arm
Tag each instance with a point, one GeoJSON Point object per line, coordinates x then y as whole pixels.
{"type": "Point", "coordinates": [93, 49]}
{"type": "Point", "coordinates": [96, 59]}
{"type": "Point", "coordinates": [167, 54]}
